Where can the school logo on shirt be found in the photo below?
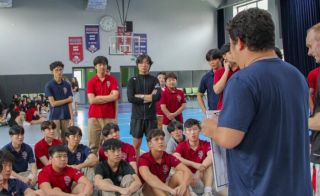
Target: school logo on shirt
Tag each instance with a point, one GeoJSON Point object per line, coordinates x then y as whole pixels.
{"type": "Point", "coordinates": [157, 85]}
{"type": "Point", "coordinates": [78, 155]}
{"type": "Point", "coordinates": [67, 180]}
{"type": "Point", "coordinates": [165, 169]}
{"type": "Point", "coordinates": [179, 98]}
{"type": "Point", "coordinates": [200, 154]}
{"type": "Point", "coordinates": [24, 155]}
{"type": "Point", "coordinates": [108, 84]}
{"type": "Point", "coordinates": [65, 90]}
{"type": "Point", "coordinates": [124, 156]}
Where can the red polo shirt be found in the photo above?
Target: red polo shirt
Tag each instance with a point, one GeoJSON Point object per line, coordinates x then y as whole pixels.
{"type": "Point", "coordinates": [128, 153]}
{"type": "Point", "coordinates": [29, 114]}
{"type": "Point", "coordinates": [173, 101]}
{"type": "Point", "coordinates": [217, 76]}
{"type": "Point", "coordinates": [161, 170]}
{"type": "Point", "coordinates": [41, 149]}
{"type": "Point", "coordinates": [158, 107]}
{"type": "Point", "coordinates": [197, 155]}
{"type": "Point", "coordinates": [62, 180]}
{"type": "Point", "coordinates": [313, 81]}
{"type": "Point", "coordinates": [97, 87]}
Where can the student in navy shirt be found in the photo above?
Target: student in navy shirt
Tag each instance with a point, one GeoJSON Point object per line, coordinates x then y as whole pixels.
{"type": "Point", "coordinates": [79, 156]}
{"type": "Point", "coordinates": [264, 120]}
{"type": "Point", "coordinates": [213, 58]}
{"type": "Point", "coordinates": [12, 186]}
{"type": "Point", "coordinates": [59, 94]}
{"type": "Point", "coordinates": [23, 157]}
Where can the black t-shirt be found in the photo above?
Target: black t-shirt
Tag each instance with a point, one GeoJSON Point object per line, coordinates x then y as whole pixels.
{"type": "Point", "coordinates": [105, 171]}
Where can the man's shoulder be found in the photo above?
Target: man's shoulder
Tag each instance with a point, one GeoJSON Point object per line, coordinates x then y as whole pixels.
{"type": "Point", "coordinates": [39, 143]}
{"type": "Point", "coordinates": [50, 83]}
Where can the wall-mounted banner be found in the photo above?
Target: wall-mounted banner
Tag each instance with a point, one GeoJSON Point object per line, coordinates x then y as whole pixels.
{"type": "Point", "coordinates": [75, 49]}
{"type": "Point", "coordinates": [92, 38]}
{"type": "Point", "coordinates": [140, 44]}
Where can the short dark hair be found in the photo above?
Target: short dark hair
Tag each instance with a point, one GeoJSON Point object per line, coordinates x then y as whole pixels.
{"type": "Point", "coordinates": [111, 144]}
{"type": "Point", "coordinates": [225, 48]}
{"type": "Point", "coordinates": [161, 73]}
{"type": "Point", "coordinates": [57, 148]}
{"type": "Point", "coordinates": [6, 156]}
{"type": "Point", "coordinates": [174, 125]}
{"type": "Point", "coordinates": [108, 127]}
{"type": "Point", "coordinates": [16, 130]}
{"type": "Point", "coordinates": [73, 130]}
{"type": "Point", "coordinates": [1, 167]}
{"type": "Point", "coordinates": [171, 75]}
{"type": "Point", "coordinates": [191, 122]}
{"type": "Point", "coordinates": [100, 60]}
{"type": "Point", "coordinates": [278, 52]}
{"type": "Point", "coordinates": [47, 124]}
{"type": "Point", "coordinates": [154, 133]}
{"type": "Point", "coordinates": [108, 67]}
{"type": "Point", "coordinates": [254, 27]}
{"type": "Point", "coordinates": [55, 64]}
{"type": "Point", "coordinates": [142, 57]}
{"type": "Point", "coordinates": [213, 54]}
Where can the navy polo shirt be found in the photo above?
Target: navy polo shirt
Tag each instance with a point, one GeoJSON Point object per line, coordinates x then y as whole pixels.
{"type": "Point", "coordinates": [268, 102]}
{"type": "Point", "coordinates": [15, 187]}
{"type": "Point", "coordinates": [58, 92]}
{"type": "Point", "coordinates": [22, 158]}
{"type": "Point", "coordinates": [206, 85]}
{"type": "Point", "coordinates": [79, 156]}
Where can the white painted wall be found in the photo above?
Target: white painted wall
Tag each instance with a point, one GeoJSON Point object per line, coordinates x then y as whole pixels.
{"type": "Point", "coordinates": [34, 33]}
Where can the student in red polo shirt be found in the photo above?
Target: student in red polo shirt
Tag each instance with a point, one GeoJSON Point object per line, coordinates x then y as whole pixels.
{"type": "Point", "coordinates": [103, 93]}
{"type": "Point", "coordinates": [41, 148]}
{"type": "Point", "coordinates": [197, 155]}
{"type": "Point", "coordinates": [161, 76]}
{"type": "Point", "coordinates": [111, 131]}
{"type": "Point", "coordinates": [223, 74]}
{"type": "Point", "coordinates": [57, 178]}
{"type": "Point", "coordinates": [173, 102]}
{"type": "Point", "coordinates": [154, 168]}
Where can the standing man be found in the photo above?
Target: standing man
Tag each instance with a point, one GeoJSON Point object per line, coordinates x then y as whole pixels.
{"type": "Point", "coordinates": [143, 92]}
{"type": "Point", "coordinates": [59, 94]}
{"type": "Point", "coordinates": [266, 138]}
{"type": "Point", "coordinates": [213, 58]}
{"type": "Point", "coordinates": [103, 93]}
{"type": "Point", "coordinates": [313, 45]}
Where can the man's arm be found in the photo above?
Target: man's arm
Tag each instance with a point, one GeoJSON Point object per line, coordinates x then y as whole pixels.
{"type": "Point", "coordinates": [166, 112]}
{"type": "Point", "coordinates": [311, 104]}
{"type": "Point", "coordinates": [153, 180]}
{"type": "Point", "coordinates": [135, 185]}
{"type": "Point", "coordinates": [134, 166]}
{"type": "Point", "coordinates": [179, 110]}
{"type": "Point", "coordinates": [102, 99]}
{"type": "Point", "coordinates": [220, 83]}
{"type": "Point", "coordinates": [44, 160]}
{"type": "Point", "coordinates": [91, 161]}
{"type": "Point", "coordinates": [197, 166]}
{"type": "Point", "coordinates": [201, 102]}
{"type": "Point", "coordinates": [187, 175]}
{"type": "Point", "coordinates": [106, 186]}
{"type": "Point", "coordinates": [56, 103]}
{"type": "Point", "coordinates": [88, 187]}
{"type": "Point", "coordinates": [71, 114]}
{"type": "Point", "coordinates": [223, 136]}
{"type": "Point", "coordinates": [22, 178]}
{"type": "Point", "coordinates": [46, 187]}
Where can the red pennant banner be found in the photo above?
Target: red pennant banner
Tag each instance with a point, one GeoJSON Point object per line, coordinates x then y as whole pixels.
{"type": "Point", "coordinates": [75, 49]}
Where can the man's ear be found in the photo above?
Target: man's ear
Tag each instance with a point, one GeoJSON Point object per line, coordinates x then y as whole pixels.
{"type": "Point", "coordinates": [241, 45]}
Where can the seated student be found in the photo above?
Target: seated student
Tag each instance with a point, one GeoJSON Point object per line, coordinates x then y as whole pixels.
{"type": "Point", "coordinates": [115, 175]}
{"type": "Point", "coordinates": [41, 147]}
{"type": "Point", "coordinates": [154, 168]}
{"type": "Point", "coordinates": [57, 178]}
{"type": "Point", "coordinates": [172, 103]}
{"type": "Point", "coordinates": [197, 155]}
{"type": "Point", "coordinates": [23, 157]}
{"type": "Point", "coordinates": [175, 129]}
{"type": "Point", "coordinates": [32, 114]}
{"type": "Point", "coordinates": [111, 130]}
{"type": "Point", "coordinates": [12, 186]}
{"type": "Point", "coordinates": [79, 156]}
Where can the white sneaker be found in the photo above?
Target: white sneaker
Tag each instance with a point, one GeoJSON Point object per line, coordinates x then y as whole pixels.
{"type": "Point", "coordinates": [192, 193]}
